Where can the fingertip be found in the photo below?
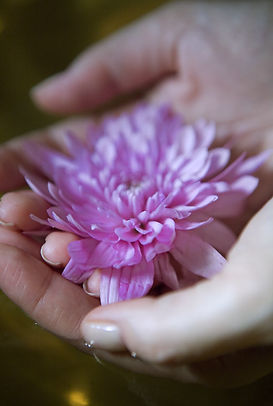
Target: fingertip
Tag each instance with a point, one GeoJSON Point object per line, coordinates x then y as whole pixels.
{"type": "Point", "coordinates": [50, 94]}
{"type": "Point", "coordinates": [92, 285]}
{"type": "Point", "coordinates": [16, 208]}
{"type": "Point", "coordinates": [44, 254]}
{"type": "Point", "coordinates": [54, 251]}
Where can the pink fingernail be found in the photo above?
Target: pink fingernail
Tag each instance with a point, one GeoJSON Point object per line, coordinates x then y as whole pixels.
{"type": "Point", "coordinates": [85, 288]}
{"type": "Point", "coordinates": [3, 223]}
{"type": "Point", "coordinates": [57, 264]}
{"type": "Point", "coordinates": [102, 335]}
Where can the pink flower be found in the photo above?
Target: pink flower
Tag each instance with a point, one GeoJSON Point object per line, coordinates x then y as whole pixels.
{"type": "Point", "coordinates": [145, 194]}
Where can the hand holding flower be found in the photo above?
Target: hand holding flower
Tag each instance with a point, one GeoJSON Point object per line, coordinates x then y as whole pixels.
{"type": "Point", "coordinates": [206, 67]}
{"type": "Point", "coordinates": [228, 317]}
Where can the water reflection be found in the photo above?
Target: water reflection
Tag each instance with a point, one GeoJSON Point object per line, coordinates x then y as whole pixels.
{"type": "Point", "coordinates": [38, 38]}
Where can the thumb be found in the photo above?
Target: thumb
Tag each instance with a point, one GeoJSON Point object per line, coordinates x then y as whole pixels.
{"type": "Point", "coordinates": [232, 311]}
{"type": "Point", "coordinates": [128, 60]}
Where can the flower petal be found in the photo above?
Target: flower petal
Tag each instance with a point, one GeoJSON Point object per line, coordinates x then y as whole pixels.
{"type": "Point", "coordinates": [164, 271]}
{"type": "Point", "coordinates": [218, 158]}
{"type": "Point", "coordinates": [115, 255]}
{"type": "Point", "coordinates": [38, 185]}
{"type": "Point", "coordinates": [218, 235]}
{"type": "Point", "coordinates": [76, 273]}
{"type": "Point", "coordinates": [126, 283]}
{"type": "Point", "coordinates": [46, 159]}
{"type": "Point", "coordinates": [196, 255]}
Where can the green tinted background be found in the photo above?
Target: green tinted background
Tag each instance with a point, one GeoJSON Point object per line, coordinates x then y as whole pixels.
{"type": "Point", "coordinates": [37, 39]}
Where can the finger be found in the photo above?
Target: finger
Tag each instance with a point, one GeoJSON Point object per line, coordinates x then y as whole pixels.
{"type": "Point", "coordinates": [12, 154]}
{"type": "Point", "coordinates": [128, 60]}
{"type": "Point", "coordinates": [92, 284]}
{"type": "Point", "coordinates": [231, 370]}
{"type": "Point", "coordinates": [11, 237]}
{"type": "Point", "coordinates": [55, 303]}
{"type": "Point", "coordinates": [229, 312]}
{"type": "Point", "coordinates": [54, 251]}
{"type": "Point", "coordinates": [16, 208]}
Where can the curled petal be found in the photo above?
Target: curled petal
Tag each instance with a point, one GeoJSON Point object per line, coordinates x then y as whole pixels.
{"type": "Point", "coordinates": [38, 185]}
{"type": "Point", "coordinates": [107, 255]}
{"type": "Point", "coordinates": [165, 272]}
{"type": "Point", "coordinates": [218, 235]}
{"type": "Point", "coordinates": [76, 273]}
{"type": "Point", "coordinates": [218, 159]}
{"type": "Point", "coordinates": [196, 255]}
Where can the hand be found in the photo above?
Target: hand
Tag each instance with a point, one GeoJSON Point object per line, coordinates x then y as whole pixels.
{"type": "Point", "coordinates": [209, 333]}
{"type": "Point", "coordinates": [230, 313]}
{"type": "Point", "coordinates": [207, 60]}
{"type": "Point", "coordinates": [183, 60]}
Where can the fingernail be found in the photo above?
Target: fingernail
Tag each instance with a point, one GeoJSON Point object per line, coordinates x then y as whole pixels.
{"type": "Point", "coordinates": [3, 223]}
{"type": "Point", "coordinates": [57, 264]}
{"type": "Point", "coordinates": [87, 291]}
{"type": "Point", "coordinates": [102, 335]}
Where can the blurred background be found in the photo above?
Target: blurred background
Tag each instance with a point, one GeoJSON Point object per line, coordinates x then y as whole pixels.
{"type": "Point", "coordinates": [37, 39]}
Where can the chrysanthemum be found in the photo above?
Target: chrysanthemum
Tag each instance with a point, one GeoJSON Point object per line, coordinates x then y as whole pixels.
{"type": "Point", "coordinates": [145, 195]}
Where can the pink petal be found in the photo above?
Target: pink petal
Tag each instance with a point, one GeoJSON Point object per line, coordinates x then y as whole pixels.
{"type": "Point", "coordinates": [229, 172]}
{"type": "Point", "coordinates": [78, 268]}
{"type": "Point", "coordinates": [46, 159]}
{"type": "Point", "coordinates": [116, 255]}
{"type": "Point", "coordinates": [81, 250]}
{"type": "Point", "coordinates": [164, 271]}
{"type": "Point", "coordinates": [193, 222]}
{"type": "Point", "coordinates": [41, 221]}
{"type": "Point", "coordinates": [229, 204]}
{"type": "Point", "coordinates": [218, 235]}
{"type": "Point", "coordinates": [205, 132]}
{"type": "Point", "coordinates": [246, 184]}
{"type": "Point", "coordinates": [194, 165]}
{"type": "Point", "coordinates": [126, 283]}
{"type": "Point", "coordinates": [126, 234]}
{"type": "Point", "coordinates": [187, 278]}
{"type": "Point", "coordinates": [76, 272]}
{"type": "Point", "coordinates": [59, 220]}
{"type": "Point", "coordinates": [142, 279]}
{"type": "Point", "coordinates": [250, 165]}
{"type": "Point", "coordinates": [38, 185]}
{"type": "Point", "coordinates": [196, 255]}
{"type": "Point", "coordinates": [167, 233]}
{"type": "Point", "coordinates": [187, 140]}
{"type": "Point", "coordinates": [74, 145]}
{"type": "Point", "coordinates": [218, 159]}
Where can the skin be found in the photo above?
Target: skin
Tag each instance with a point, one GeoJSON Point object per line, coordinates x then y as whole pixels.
{"type": "Point", "coordinates": [209, 60]}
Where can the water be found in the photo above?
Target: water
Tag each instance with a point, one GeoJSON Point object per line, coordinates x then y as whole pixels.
{"type": "Point", "coordinates": [38, 38]}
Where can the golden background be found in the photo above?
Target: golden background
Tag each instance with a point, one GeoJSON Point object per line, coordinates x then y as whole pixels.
{"type": "Point", "coordinates": [37, 39]}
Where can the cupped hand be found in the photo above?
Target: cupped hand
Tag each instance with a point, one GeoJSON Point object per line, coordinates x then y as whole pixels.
{"type": "Point", "coordinates": [218, 332]}
{"type": "Point", "coordinates": [225, 315]}
{"type": "Point", "coordinates": [206, 60]}
{"type": "Point", "coordinates": [41, 292]}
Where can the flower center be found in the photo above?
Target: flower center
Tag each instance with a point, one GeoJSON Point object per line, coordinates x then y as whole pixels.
{"type": "Point", "coordinates": [133, 185]}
